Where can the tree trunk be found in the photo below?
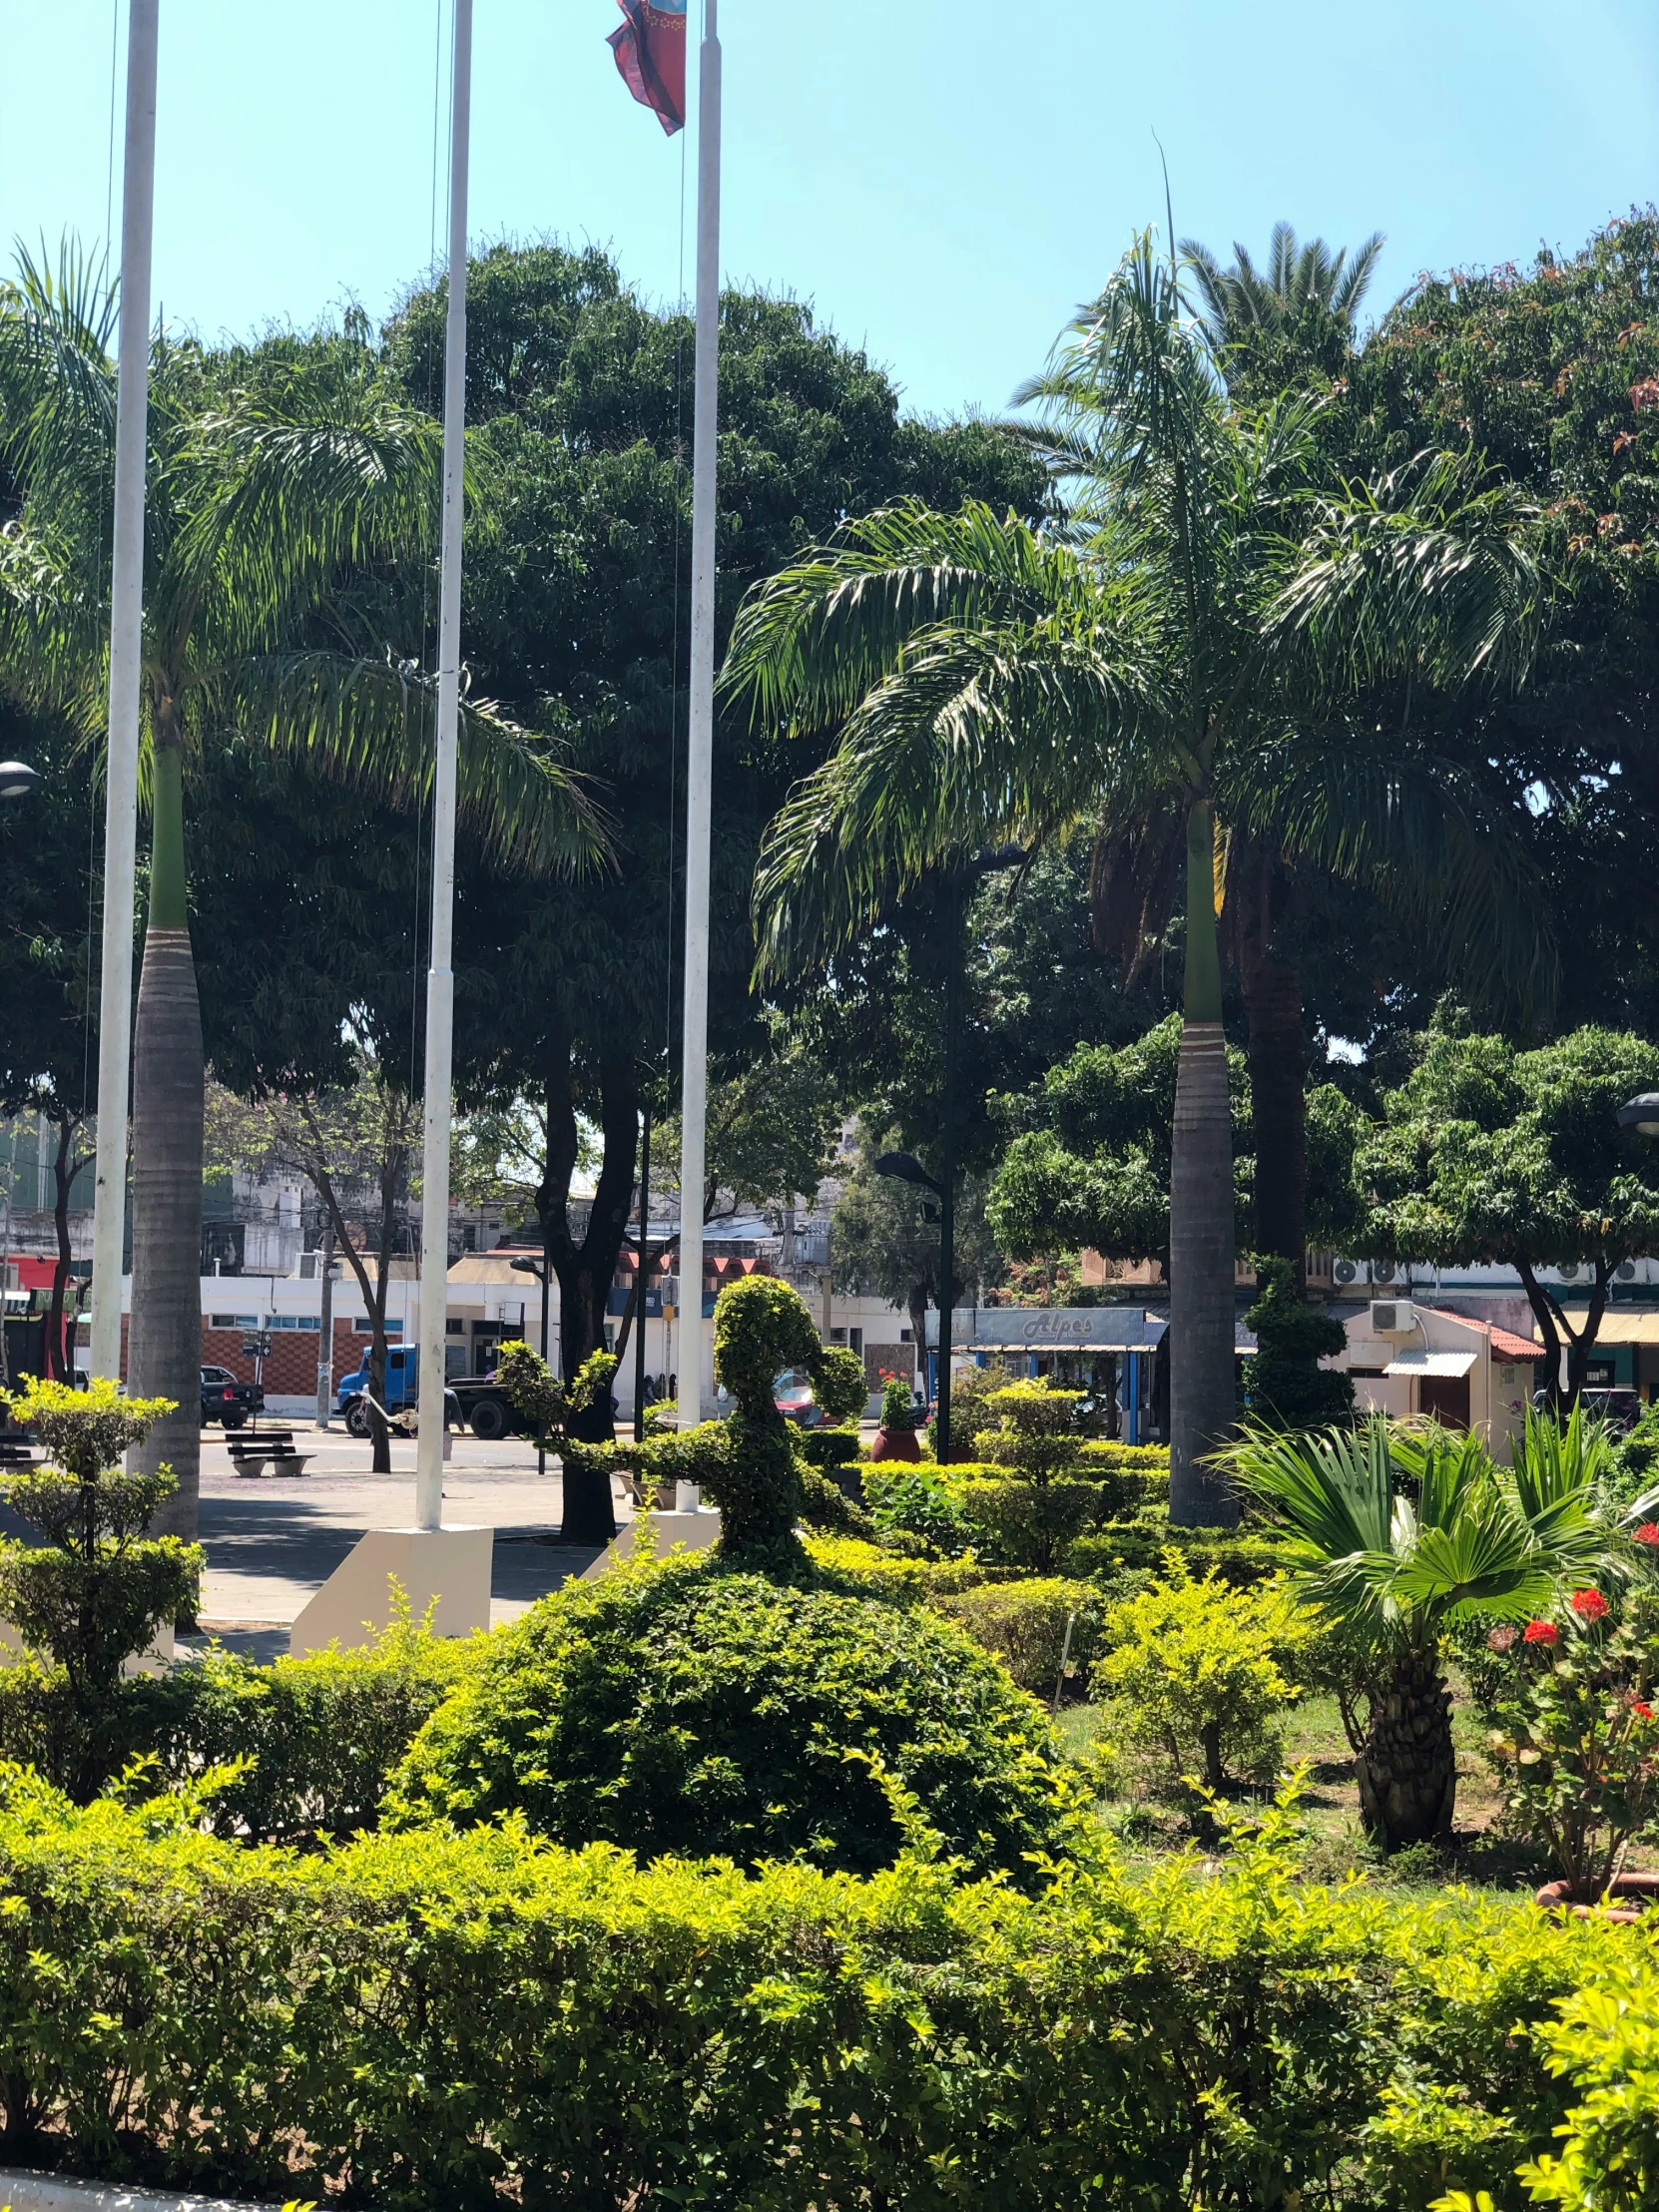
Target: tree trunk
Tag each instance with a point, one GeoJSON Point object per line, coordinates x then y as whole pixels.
{"type": "Point", "coordinates": [60, 1361]}
{"type": "Point", "coordinates": [1556, 1331]}
{"type": "Point", "coordinates": [165, 1344]}
{"type": "Point", "coordinates": [586, 1271]}
{"type": "Point", "coordinates": [1201, 1215]}
{"type": "Point", "coordinates": [1272, 988]}
{"type": "Point", "coordinates": [1408, 1772]}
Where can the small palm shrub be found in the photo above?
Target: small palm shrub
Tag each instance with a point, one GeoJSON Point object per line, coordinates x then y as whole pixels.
{"type": "Point", "coordinates": [1192, 1681]}
{"type": "Point", "coordinates": [914, 1498]}
{"type": "Point", "coordinates": [683, 1709]}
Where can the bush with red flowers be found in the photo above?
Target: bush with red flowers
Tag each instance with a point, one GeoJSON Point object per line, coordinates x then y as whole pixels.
{"type": "Point", "coordinates": [1647, 1533]}
{"type": "Point", "coordinates": [1577, 1743]}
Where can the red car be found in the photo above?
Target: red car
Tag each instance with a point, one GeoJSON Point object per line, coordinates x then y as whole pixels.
{"type": "Point", "coordinates": [792, 1393]}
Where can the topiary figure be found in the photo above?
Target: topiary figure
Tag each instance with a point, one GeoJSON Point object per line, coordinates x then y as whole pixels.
{"type": "Point", "coordinates": [688, 1711]}
{"type": "Point", "coordinates": [761, 1327]}
{"type": "Point", "coordinates": [1284, 1386]}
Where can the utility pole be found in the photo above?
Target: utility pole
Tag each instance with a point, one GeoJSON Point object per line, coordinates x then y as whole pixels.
{"type": "Point", "coordinates": [326, 1342]}
{"type": "Point", "coordinates": [115, 1002]}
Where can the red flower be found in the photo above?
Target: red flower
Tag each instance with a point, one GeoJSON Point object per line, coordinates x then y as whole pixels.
{"type": "Point", "coordinates": [1648, 1533]}
{"type": "Point", "coordinates": [1589, 1605]}
{"type": "Point", "coordinates": [1643, 1712]}
{"type": "Point", "coordinates": [1542, 1632]}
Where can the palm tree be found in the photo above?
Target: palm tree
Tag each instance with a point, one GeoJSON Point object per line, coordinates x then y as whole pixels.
{"type": "Point", "coordinates": [275, 480]}
{"type": "Point", "coordinates": [1392, 1572]}
{"type": "Point", "coordinates": [1298, 312]}
{"type": "Point", "coordinates": [1186, 650]}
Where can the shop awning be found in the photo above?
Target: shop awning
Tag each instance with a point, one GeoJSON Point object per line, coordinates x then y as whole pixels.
{"type": "Point", "coordinates": [1430, 1363]}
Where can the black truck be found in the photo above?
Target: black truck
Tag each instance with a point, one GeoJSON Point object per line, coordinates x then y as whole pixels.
{"type": "Point", "coordinates": [228, 1402]}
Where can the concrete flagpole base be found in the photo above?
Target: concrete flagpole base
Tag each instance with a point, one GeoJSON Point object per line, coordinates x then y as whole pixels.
{"type": "Point", "coordinates": [354, 1605]}
{"type": "Point", "coordinates": [694, 1531]}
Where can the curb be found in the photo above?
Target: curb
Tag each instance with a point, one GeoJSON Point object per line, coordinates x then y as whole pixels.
{"type": "Point", "coordinates": [31, 2192]}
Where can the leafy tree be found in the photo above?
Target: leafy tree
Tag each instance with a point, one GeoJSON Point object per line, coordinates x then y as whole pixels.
{"type": "Point", "coordinates": [1185, 658]}
{"type": "Point", "coordinates": [1551, 373]}
{"type": "Point", "coordinates": [1397, 1538]}
{"type": "Point", "coordinates": [577, 569]}
{"type": "Point", "coordinates": [48, 1024]}
{"type": "Point", "coordinates": [1488, 1154]}
{"type": "Point", "coordinates": [1090, 1164]}
{"type": "Point", "coordinates": [358, 1147]}
{"type": "Point", "coordinates": [274, 478]}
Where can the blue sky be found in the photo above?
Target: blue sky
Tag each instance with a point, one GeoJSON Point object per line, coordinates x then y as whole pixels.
{"type": "Point", "coordinates": [944, 180]}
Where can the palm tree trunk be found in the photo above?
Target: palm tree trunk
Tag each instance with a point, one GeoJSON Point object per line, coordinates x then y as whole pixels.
{"type": "Point", "coordinates": [60, 1361]}
{"type": "Point", "coordinates": [1201, 1303]}
{"type": "Point", "coordinates": [164, 1345]}
{"type": "Point", "coordinates": [1272, 988]}
{"type": "Point", "coordinates": [1408, 1772]}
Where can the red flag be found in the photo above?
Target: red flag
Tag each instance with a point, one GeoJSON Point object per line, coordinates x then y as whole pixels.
{"type": "Point", "coordinates": [650, 52]}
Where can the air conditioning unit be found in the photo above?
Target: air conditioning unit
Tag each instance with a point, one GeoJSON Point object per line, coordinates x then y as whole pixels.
{"type": "Point", "coordinates": [1627, 1271]}
{"type": "Point", "coordinates": [1393, 1317]}
{"type": "Point", "coordinates": [1568, 1272]}
{"type": "Point", "coordinates": [1346, 1271]}
{"type": "Point", "coordinates": [1382, 1270]}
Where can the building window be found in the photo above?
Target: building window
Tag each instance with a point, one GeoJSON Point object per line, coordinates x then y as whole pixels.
{"type": "Point", "coordinates": [838, 1336]}
{"type": "Point", "coordinates": [907, 1337]}
{"type": "Point", "coordinates": [294, 1320]}
{"type": "Point", "coordinates": [233, 1320]}
{"type": "Point", "coordinates": [855, 1342]}
{"type": "Point", "coordinates": [361, 1325]}
{"type": "Point", "coordinates": [454, 1327]}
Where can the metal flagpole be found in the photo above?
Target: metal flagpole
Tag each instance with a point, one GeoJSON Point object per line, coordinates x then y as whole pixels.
{"type": "Point", "coordinates": [694, 1079]}
{"type": "Point", "coordinates": [441, 982]}
{"type": "Point", "coordinates": [114, 1005]}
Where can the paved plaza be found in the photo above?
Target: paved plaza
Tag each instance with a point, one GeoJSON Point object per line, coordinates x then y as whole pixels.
{"type": "Point", "coordinates": [273, 1540]}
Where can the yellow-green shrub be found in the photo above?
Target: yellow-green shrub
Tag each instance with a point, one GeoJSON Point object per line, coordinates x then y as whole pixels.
{"type": "Point", "coordinates": [1191, 1677]}
{"type": "Point", "coordinates": [850, 1564]}
{"type": "Point", "coordinates": [1025, 1622]}
{"type": "Point", "coordinates": [441, 2018]}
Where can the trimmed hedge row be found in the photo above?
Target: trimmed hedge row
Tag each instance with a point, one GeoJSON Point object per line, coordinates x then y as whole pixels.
{"type": "Point", "coordinates": [430, 2018]}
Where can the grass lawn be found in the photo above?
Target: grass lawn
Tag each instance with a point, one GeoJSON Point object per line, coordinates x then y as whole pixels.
{"type": "Point", "coordinates": [1477, 1855]}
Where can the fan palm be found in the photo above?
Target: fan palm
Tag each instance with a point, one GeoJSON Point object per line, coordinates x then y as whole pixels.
{"type": "Point", "coordinates": [273, 480]}
{"type": "Point", "coordinates": [1188, 650]}
{"type": "Point", "coordinates": [1392, 1572]}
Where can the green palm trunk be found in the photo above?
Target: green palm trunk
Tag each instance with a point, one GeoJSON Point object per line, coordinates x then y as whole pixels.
{"type": "Point", "coordinates": [1408, 1772]}
{"type": "Point", "coordinates": [165, 1344]}
{"type": "Point", "coordinates": [1200, 1212]}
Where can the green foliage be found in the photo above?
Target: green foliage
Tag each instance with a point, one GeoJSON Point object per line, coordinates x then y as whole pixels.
{"type": "Point", "coordinates": [898, 1404]}
{"type": "Point", "coordinates": [1031, 1524]}
{"type": "Point", "coordinates": [839, 1384]}
{"type": "Point", "coordinates": [179, 2009]}
{"type": "Point", "coordinates": [826, 1504]}
{"type": "Point", "coordinates": [1026, 1623]}
{"type": "Point", "coordinates": [1283, 1385]}
{"type": "Point", "coordinates": [685, 1710]}
{"type": "Point", "coordinates": [830, 1449]}
{"type": "Point", "coordinates": [1035, 1429]}
{"type": "Point", "coordinates": [1606, 2044]}
{"type": "Point", "coordinates": [761, 1327]}
{"type": "Point", "coordinates": [546, 1407]}
{"type": "Point", "coordinates": [1126, 1550]}
{"type": "Point", "coordinates": [877, 1571]}
{"type": "Point", "coordinates": [913, 1498]}
{"type": "Point", "coordinates": [96, 1590]}
{"type": "Point", "coordinates": [1576, 1741]}
{"type": "Point", "coordinates": [1191, 1679]}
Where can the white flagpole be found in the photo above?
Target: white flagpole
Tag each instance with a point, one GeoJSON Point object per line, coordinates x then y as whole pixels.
{"type": "Point", "coordinates": [440, 980]}
{"type": "Point", "coordinates": [694, 1079]}
{"type": "Point", "coordinates": [115, 1002]}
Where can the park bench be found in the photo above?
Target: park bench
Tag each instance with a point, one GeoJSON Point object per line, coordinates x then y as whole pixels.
{"type": "Point", "coordinates": [271, 1450]}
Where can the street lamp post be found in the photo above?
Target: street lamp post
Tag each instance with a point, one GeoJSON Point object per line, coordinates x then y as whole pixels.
{"type": "Point", "coordinates": [18, 779]}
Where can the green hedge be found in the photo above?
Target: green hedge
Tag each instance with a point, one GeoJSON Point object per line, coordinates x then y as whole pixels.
{"type": "Point", "coordinates": [1024, 1623]}
{"type": "Point", "coordinates": [1134, 1549]}
{"type": "Point", "coordinates": [441, 2018]}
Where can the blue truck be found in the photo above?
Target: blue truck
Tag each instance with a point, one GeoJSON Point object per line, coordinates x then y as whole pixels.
{"type": "Point", "coordinates": [479, 1404]}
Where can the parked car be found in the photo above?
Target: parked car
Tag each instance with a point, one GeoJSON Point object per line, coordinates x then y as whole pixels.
{"type": "Point", "coordinates": [1622, 1409]}
{"type": "Point", "coordinates": [228, 1402]}
{"type": "Point", "coordinates": [792, 1393]}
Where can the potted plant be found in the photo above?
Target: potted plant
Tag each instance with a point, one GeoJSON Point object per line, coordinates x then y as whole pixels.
{"type": "Point", "coordinates": [1577, 1746]}
{"type": "Point", "coordinates": [900, 1418]}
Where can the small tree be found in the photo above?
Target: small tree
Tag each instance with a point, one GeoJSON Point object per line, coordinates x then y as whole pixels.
{"type": "Point", "coordinates": [1283, 1382]}
{"type": "Point", "coordinates": [1489, 1155]}
{"type": "Point", "coordinates": [97, 1590]}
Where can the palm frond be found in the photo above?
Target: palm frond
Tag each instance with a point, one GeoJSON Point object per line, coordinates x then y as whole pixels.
{"type": "Point", "coordinates": [57, 381]}
{"type": "Point", "coordinates": [372, 724]}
